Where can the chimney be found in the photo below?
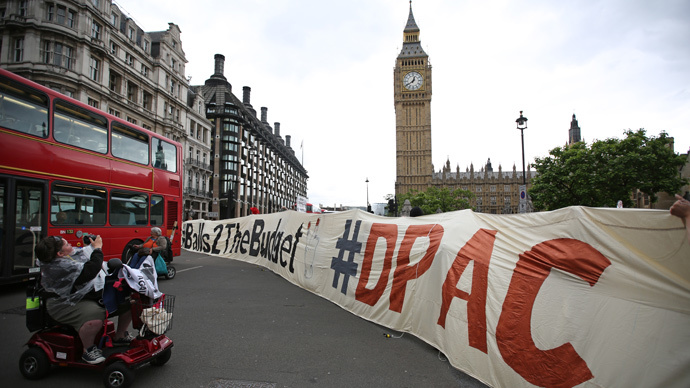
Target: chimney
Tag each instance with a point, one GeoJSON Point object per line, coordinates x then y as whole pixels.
{"type": "Point", "coordinates": [264, 111]}
{"type": "Point", "coordinates": [246, 91]}
{"type": "Point", "coordinates": [220, 65]}
{"type": "Point", "coordinates": [276, 127]}
{"type": "Point", "coordinates": [287, 140]}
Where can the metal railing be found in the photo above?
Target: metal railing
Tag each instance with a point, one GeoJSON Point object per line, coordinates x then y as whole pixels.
{"type": "Point", "coordinates": [196, 163]}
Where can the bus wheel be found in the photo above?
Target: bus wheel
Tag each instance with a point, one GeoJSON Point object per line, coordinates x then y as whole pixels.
{"type": "Point", "coordinates": [129, 251]}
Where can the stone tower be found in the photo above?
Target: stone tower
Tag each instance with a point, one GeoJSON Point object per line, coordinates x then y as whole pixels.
{"type": "Point", "coordinates": [412, 96]}
{"type": "Point", "coordinates": [574, 132]}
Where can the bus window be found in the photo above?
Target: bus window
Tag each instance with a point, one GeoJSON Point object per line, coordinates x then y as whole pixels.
{"type": "Point", "coordinates": [72, 204]}
{"type": "Point", "coordinates": [23, 109]}
{"type": "Point", "coordinates": [157, 210]}
{"type": "Point", "coordinates": [78, 127]}
{"type": "Point", "coordinates": [128, 208]}
{"type": "Point", "coordinates": [166, 155]}
{"type": "Point", "coordinates": [130, 144]}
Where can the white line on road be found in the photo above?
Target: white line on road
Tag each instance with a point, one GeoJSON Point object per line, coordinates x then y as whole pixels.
{"type": "Point", "coordinates": [187, 269]}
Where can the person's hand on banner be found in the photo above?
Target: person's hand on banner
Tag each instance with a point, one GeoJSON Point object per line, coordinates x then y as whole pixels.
{"type": "Point", "coordinates": [681, 209]}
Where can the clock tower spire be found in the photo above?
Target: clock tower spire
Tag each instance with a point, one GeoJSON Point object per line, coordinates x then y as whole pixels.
{"type": "Point", "coordinates": [412, 98]}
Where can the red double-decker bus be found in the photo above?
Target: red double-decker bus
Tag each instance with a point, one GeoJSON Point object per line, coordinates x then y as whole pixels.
{"type": "Point", "coordinates": [69, 169]}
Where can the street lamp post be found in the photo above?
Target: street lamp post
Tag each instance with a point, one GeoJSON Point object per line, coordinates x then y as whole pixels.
{"type": "Point", "coordinates": [368, 205]}
{"type": "Point", "coordinates": [522, 125]}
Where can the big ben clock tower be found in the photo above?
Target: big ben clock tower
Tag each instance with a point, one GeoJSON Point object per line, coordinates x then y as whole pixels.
{"type": "Point", "coordinates": [412, 94]}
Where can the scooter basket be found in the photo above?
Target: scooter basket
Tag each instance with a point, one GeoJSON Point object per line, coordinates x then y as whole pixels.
{"type": "Point", "coordinates": [155, 315]}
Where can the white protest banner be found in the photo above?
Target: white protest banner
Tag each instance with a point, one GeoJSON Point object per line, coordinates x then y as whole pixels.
{"type": "Point", "coordinates": [577, 297]}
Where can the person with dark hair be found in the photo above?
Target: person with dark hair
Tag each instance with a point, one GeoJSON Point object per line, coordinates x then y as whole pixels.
{"type": "Point", "coordinates": [416, 211]}
{"type": "Point", "coordinates": [74, 281]}
{"type": "Point", "coordinates": [681, 209]}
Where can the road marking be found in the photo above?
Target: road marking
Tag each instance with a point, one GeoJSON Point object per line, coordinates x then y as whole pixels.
{"type": "Point", "coordinates": [187, 269]}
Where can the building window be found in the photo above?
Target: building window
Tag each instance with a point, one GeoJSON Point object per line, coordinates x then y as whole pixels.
{"type": "Point", "coordinates": [46, 53]}
{"type": "Point", "coordinates": [132, 91]}
{"type": "Point", "coordinates": [71, 17]}
{"type": "Point", "coordinates": [131, 120]}
{"type": "Point", "coordinates": [129, 59]}
{"type": "Point", "coordinates": [60, 14]}
{"type": "Point", "coordinates": [93, 102]}
{"type": "Point", "coordinates": [114, 49]}
{"type": "Point", "coordinates": [22, 8]}
{"type": "Point", "coordinates": [506, 188]}
{"type": "Point", "coordinates": [18, 53]}
{"type": "Point", "coordinates": [147, 99]}
{"type": "Point", "coordinates": [131, 33]}
{"type": "Point", "coordinates": [57, 54]}
{"type": "Point", "coordinates": [96, 31]}
{"type": "Point", "coordinates": [115, 82]}
{"type": "Point", "coordinates": [114, 19]}
{"type": "Point", "coordinates": [94, 69]}
{"type": "Point", "coordinates": [114, 112]}
{"type": "Point", "coordinates": [144, 71]}
{"type": "Point", "coordinates": [146, 46]}
{"type": "Point", "coordinates": [96, 3]}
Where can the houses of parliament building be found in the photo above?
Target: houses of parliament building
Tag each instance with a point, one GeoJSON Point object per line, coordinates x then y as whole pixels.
{"type": "Point", "coordinates": [495, 191]}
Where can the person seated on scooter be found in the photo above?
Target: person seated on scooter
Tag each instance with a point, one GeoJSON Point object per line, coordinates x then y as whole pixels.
{"type": "Point", "coordinates": [74, 280]}
{"type": "Point", "coordinates": [154, 244]}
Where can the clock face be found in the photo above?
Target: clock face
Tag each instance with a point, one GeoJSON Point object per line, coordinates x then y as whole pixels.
{"type": "Point", "coordinates": [412, 80]}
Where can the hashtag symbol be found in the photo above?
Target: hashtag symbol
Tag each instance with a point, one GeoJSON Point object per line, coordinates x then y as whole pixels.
{"type": "Point", "coordinates": [338, 264]}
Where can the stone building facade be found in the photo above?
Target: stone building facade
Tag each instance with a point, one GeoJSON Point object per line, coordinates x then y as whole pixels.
{"type": "Point", "coordinates": [495, 192]}
{"type": "Point", "coordinates": [253, 165]}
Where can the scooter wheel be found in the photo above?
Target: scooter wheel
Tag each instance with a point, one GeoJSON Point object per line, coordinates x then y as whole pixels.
{"type": "Point", "coordinates": [117, 375]}
{"type": "Point", "coordinates": [171, 272]}
{"type": "Point", "coordinates": [34, 363]}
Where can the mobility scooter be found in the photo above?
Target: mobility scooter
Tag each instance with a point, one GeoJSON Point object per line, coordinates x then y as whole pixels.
{"type": "Point", "coordinates": [60, 345]}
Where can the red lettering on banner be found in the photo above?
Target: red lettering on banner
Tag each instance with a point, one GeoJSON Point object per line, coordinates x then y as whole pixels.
{"type": "Point", "coordinates": [561, 366]}
{"type": "Point", "coordinates": [405, 272]}
{"type": "Point", "coordinates": [390, 233]}
{"type": "Point", "coordinates": [479, 249]}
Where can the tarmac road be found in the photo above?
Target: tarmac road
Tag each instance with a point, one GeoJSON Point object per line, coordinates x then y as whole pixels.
{"type": "Point", "coordinates": [239, 325]}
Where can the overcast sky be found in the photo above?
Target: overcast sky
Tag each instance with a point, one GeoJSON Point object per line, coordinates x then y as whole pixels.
{"type": "Point", "coordinates": [324, 70]}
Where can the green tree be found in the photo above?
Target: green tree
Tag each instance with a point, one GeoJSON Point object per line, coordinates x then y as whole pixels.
{"type": "Point", "coordinates": [435, 198]}
{"type": "Point", "coordinates": [606, 172]}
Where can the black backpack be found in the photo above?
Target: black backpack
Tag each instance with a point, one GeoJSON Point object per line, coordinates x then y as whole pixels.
{"type": "Point", "coordinates": [167, 253]}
